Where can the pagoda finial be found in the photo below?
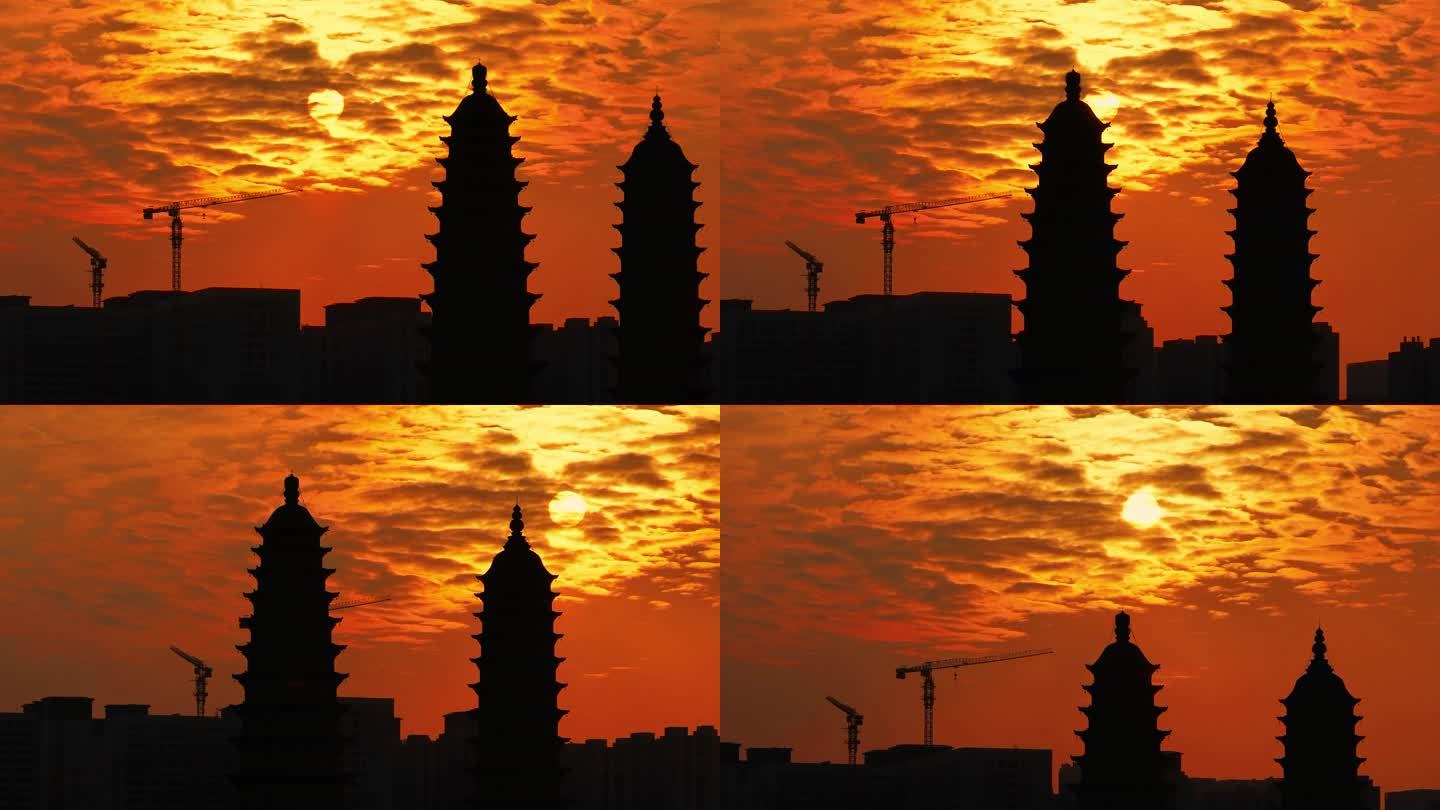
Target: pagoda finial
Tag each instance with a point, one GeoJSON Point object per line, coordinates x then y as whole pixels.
{"type": "Point", "coordinates": [292, 490]}
{"type": "Point", "coordinates": [1270, 120]}
{"type": "Point", "coordinates": [657, 115]}
{"type": "Point", "coordinates": [517, 528]}
{"type": "Point", "coordinates": [477, 75]}
{"type": "Point", "coordinates": [1122, 627]}
{"type": "Point", "coordinates": [1072, 85]}
{"type": "Point", "coordinates": [1319, 647]}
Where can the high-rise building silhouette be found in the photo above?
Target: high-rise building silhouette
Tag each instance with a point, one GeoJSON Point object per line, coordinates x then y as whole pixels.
{"type": "Point", "coordinates": [518, 715]}
{"type": "Point", "coordinates": [1320, 768]}
{"type": "Point", "coordinates": [1272, 342]}
{"type": "Point", "coordinates": [662, 344]}
{"type": "Point", "coordinates": [1122, 767]}
{"type": "Point", "coordinates": [290, 744]}
{"type": "Point", "coordinates": [480, 328]}
{"type": "Point", "coordinates": [1072, 346]}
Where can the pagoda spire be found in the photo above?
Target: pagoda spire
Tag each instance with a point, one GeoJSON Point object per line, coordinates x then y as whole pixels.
{"type": "Point", "coordinates": [1071, 349]}
{"type": "Point", "coordinates": [1273, 351]}
{"type": "Point", "coordinates": [289, 744]}
{"type": "Point", "coordinates": [1321, 770]}
{"type": "Point", "coordinates": [661, 342]}
{"type": "Point", "coordinates": [1122, 767]}
{"type": "Point", "coordinates": [480, 324]}
{"type": "Point", "coordinates": [518, 716]}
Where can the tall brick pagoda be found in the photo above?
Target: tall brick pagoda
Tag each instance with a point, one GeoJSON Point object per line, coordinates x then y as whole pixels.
{"type": "Point", "coordinates": [1272, 349]}
{"type": "Point", "coordinates": [661, 342]}
{"type": "Point", "coordinates": [290, 745]}
{"type": "Point", "coordinates": [1122, 767]}
{"type": "Point", "coordinates": [1073, 339]}
{"type": "Point", "coordinates": [518, 716]}
{"type": "Point", "coordinates": [1321, 770]}
{"type": "Point", "coordinates": [480, 329]}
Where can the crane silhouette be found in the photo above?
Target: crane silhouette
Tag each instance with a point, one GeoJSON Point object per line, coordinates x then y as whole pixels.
{"type": "Point", "coordinates": [359, 603]}
{"type": "Point", "coordinates": [887, 232]}
{"type": "Point", "coordinates": [202, 675]}
{"type": "Point", "coordinates": [853, 720]}
{"type": "Point", "coordinates": [813, 268]}
{"type": "Point", "coordinates": [97, 271]}
{"type": "Point", "coordinates": [174, 209]}
{"type": "Point", "coordinates": [927, 668]}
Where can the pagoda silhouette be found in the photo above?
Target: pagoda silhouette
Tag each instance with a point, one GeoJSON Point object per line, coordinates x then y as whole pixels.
{"type": "Point", "coordinates": [1272, 346]}
{"type": "Point", "coordinates": [1320, 768]}
{"type": "Point", "coordinates": [518, 714]}
{"type": "Point", "coordinates": [661, 342]}
{"type": "Point", "coordinates": [480, 330]}
{"type": "Point", "coordinates": [1072, 343]}
{"type": "Point", "coordinates": [1122, 767]}
{"type": "Point", "coordinates": [290, 745]}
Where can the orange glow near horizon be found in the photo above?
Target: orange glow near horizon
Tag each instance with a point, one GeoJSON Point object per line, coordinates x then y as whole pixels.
{"type": "Point", "coordinates": [143, 103]}
{"type": "Point", "coordinates": [860, 539]}
{"type": "Point", "coordinates": [843, 107]}
{"type": "Point", "coordinates": [129, 529]}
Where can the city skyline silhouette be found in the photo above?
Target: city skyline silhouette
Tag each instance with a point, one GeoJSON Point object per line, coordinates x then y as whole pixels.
{"type": "Point", "coordinates": [412, 529]}
{"type": "Point", "coordinates": [929, 533]}
{"type": "Point", "coordinates": [347, 105]}
{"type": "Point", "coordinates": [1185, 89]}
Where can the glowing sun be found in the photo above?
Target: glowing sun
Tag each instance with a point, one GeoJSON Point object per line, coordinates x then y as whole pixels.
{"type": "Point", "coordinates": [1141, 510]}
{"type": "Point", "coordinates": [567, 508]}
{"type": "Point", "coordinates": [1105, 105]}
{"type": "Point", "coordinates": [326, 107]}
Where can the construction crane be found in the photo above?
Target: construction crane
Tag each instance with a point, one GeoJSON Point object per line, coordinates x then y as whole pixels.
{"type": "Point", "coordinates": [174, 209]}
{"type": "Point", "coordinates": [887, 232]}
{"type": "Point", "coordinates": [361, 603]}
{"type": "Point", "coordinates": [97, 271]}
{"type": "Point", "coordinates": [928, 680]}
{"type": "Point", "coordinates": [853, 720]}
{"type": "Point", "coordinates": [202, 674]}
{"type": "Point", "coordinates": [813, 268]}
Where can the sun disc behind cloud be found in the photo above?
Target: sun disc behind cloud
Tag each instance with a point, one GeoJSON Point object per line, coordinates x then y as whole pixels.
{"type": "Point", "coordinates": [326, 107]}
{"type": "Point", "coordinates": [567, 508]}
{"type": "Point", "coordinates": [1104, 104]}
{"type": "Point", "coordinates": [1141, 510]}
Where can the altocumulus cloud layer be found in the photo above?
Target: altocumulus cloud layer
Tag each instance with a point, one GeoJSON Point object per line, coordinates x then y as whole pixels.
{"type": "Point", "coordinates": [933, 528]}
{"type": "Point", "coordinates": [121, 528]}
{"type": "Point", "coordinates": [922, 98]}
{"type": "Point", "coordinates": [112, 102]}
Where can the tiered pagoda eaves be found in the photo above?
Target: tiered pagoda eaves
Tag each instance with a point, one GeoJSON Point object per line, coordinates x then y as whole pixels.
{"type": "Point", "coordinates": [1272, 347]}
{"type": "Point", "coordinates": [1073, 339]}
{"type": "Point", "coordinates": [1122, 767]}
{"type": "Point", "coordinates": [1321, 770]}
{"type": "Point", "coordinates": [518, 716]}
{"type": "Point", "coordinates": [480, 329]}
{"type": "Point", "coordinates": [661, 342]}
{"type": "Point", "coordinates": [290, 745]}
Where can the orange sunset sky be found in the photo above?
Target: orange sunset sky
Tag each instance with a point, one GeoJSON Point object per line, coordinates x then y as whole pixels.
{"type": "Point", "coordinates": [126, 530]}
{"type": "Point", "coordinates": [110, 106]}
{"type": "Point", "coordinates": [858, 540]}
{"type": "Point", "coordinates": [842, 106]}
